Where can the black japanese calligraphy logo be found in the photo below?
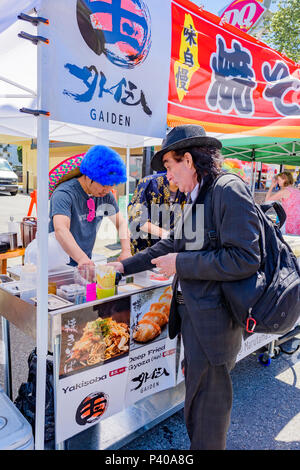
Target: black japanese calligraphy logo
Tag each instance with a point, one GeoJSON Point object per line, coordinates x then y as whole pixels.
{"type": "Point", "coordinates": [233, 79]}
{"type": "Point", "coordinates": [120, 29]}
{"type": "Point", "coordinates": [95, 84]}
{"type": "Point", "coordinates": [91, 408]}
{"type": "Point", "coordinates": [144, 377]}
{"type": "Point", "coordinates": [279, 84]}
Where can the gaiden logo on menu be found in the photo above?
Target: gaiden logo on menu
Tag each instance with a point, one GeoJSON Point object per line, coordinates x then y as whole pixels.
{"type": "Point", "coordinates": [120, 29]}
{"type": "Point", "coordinates": [91, 408]}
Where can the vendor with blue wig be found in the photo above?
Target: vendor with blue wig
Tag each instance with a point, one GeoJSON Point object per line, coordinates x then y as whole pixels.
{"type": "Point", "coordinates": [77, 206]}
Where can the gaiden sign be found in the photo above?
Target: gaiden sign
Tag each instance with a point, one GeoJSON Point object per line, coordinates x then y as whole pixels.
{"type": "Point", "coordinates": [108, 62]}
{"type": "Point", "coordinates": [228, 81]}
{"type": "Point", "coordinates": [243, 14]}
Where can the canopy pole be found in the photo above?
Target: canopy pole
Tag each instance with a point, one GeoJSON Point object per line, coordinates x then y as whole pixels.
{"type": "Point", "coordinates": [127, 181]}
{"type": "Point", "coordinates": [253, 173]}
{"type": "Point", "coordinates": [42, 244]}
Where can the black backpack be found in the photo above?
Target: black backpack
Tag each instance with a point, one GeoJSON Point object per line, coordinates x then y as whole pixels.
{"type": "Point", "coordinates": [269, 300]}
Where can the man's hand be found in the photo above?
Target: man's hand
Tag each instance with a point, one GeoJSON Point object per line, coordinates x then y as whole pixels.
{"type": "Point", "coordinates": [166, 264]}
{"type": "Point", "coordinates": [118, 266]}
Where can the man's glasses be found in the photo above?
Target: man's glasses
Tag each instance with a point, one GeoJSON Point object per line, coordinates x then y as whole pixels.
{"type": "Point", "coordinates": [91, 207]}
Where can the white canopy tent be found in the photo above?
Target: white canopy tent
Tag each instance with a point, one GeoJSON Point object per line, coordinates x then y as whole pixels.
{"type": "Point", "coordinates": [21, 86]}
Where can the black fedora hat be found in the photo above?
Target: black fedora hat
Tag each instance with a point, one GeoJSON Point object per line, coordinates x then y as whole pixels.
{"type": "Point", "coordinates": [181, 137]}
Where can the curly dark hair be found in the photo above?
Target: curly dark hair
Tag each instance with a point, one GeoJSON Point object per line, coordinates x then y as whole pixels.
{"type": "Point", "coordinates": [207, 161]}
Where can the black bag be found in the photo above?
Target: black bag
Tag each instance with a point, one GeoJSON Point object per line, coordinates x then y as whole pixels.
{"type": "Point", "coordinates": [26, 398]}
{"type": "Point", "coordinates": [269, 300]}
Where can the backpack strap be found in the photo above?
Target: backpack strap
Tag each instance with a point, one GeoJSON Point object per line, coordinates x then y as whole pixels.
{"type": "Point", "coordinates": [280, 212]}
{"type": "Point", "coordinates": [211, 226]}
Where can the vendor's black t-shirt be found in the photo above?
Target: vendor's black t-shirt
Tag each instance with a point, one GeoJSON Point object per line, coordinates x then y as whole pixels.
{"type": "Point", "coordinates": [71, 200]}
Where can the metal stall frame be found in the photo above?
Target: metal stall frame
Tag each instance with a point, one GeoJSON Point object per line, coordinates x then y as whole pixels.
{"type": "Point", "coordinates": [118, 429]}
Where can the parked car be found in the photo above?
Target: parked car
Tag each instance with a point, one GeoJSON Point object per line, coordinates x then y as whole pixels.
{"type": "Point", "coordinates": [8, 178]}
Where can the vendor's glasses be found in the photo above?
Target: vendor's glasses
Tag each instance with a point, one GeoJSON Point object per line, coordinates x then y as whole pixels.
{"type": "Point", "coordinates": [91, 207]}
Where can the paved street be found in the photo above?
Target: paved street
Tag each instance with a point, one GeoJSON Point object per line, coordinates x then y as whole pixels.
{"type": "Point", "coordinates": [266, 407]}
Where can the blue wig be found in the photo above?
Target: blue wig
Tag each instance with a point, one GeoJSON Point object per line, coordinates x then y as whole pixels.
{"type": "Point", "coordinates": [103, 165]}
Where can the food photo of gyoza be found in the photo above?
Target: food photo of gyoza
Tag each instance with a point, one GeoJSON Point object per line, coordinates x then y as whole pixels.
{"type": "Point", "coordinates": [149, 316]}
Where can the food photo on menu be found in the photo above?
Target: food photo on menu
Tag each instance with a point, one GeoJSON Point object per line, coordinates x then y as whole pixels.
{"type": "Point", "coordinates": [94, 336]}
{"type": "Point", "coordinates": [149, 316]}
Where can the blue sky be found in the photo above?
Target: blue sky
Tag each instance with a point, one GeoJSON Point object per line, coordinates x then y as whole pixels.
{"type": "Point", "coordinates": [214, 6]}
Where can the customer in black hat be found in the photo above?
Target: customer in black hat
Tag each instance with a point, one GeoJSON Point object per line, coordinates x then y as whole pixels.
{"type": "Point", "coordinates": [211, 339]}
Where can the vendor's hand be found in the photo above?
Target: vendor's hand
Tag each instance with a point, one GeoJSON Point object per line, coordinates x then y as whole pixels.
{"type": "Point", "coordinates": [166, 264]}
{"type": "Point", "coordinates": [85, 261]}
{"type": "Point", "coordinates": [117, 265]}
{"type": "Point", "coordinates": [124, 255]}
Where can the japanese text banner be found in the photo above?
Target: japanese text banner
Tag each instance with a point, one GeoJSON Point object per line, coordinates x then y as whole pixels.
{"type": "Point", "coordinates": [228, 81]}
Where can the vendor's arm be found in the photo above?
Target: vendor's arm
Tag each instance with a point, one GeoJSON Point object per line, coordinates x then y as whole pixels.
{"type": "Point", "coordinates": [63, 235]}
{"type": "Point", "coordinates": [155, 230]}
{"type": "Point", "coordinates": [124, 235]}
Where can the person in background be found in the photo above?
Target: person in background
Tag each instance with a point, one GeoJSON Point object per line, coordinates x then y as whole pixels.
{"type": "Point", "coordinates": [289, 196]}
{"type": "Point", "coordinates": [148, 224]}
{"type": "Point", "coordinates": [210, 336]}
{"type": "Point", "coordinates": [77, 206]}
{"type": "Point", "coordinates": [297, 182]}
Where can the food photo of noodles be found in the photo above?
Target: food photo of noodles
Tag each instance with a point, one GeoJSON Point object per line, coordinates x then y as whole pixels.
{"type": "Point", "coordinates": [102, 339]}
{"type": "Point", "coordinates": [91, 337]}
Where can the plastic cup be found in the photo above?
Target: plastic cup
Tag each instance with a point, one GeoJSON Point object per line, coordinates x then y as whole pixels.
{"type": "Point", "coordinates": [86, 276]}
{"type": "Point", "coordinates": [106, 280]}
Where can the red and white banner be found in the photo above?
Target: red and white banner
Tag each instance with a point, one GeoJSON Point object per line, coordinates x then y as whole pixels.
{"type": "Point", "coordinates": [228, 81]}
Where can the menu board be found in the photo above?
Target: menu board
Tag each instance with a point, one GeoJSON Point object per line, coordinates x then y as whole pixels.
{"type": "Point", "coordinates": [112, 355]}
{"type": "Point", "coordinates": [152, 355]}
{"type": "Point", "coordinates": [93, 366]}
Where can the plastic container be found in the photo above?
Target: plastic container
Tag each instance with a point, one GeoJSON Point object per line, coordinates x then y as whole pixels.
{"type": "Point", "coordinates": [62, 276]}
{"type": "Point", "coordinates": [15, 228]}
{"type": "Point", "coordinates": [4, 279]}
{"type": "Point", "coordinates": [11, 238]}
{"type": "Point", "coordinates": [20, 289]}
{"type": "Point", "coordinates": [74, 293]}
{"type": "Point", "coordinates": [106, 281]}
{"type": "Point", "coordinates": [86, 277]}
{"type": "Point", "coordinates": [15, 430]}
{"type": "Point", "coordinates": [29, 275]}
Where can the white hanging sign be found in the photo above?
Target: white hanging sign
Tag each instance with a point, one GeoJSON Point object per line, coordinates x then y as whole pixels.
{"type": "Point", "coordinates": [152, 356]}
{"type": "Point", "coordinates": [107, 64]}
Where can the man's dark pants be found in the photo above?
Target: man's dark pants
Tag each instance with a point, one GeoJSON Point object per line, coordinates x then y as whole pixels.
{"type": "Point", "coordinates": [208, 400]}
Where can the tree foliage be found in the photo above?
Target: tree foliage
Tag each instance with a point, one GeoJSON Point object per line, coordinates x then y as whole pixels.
{"type": "Point", "coordinates": [282, 29]}
{"type": "Point", "coordinates": [19, 152]}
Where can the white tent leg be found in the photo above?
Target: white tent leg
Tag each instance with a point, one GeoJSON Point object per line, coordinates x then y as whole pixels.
{"type": "Point", "coordinates": [42, 242]}
{"type": "Point", "coordinates": [127, 182]}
